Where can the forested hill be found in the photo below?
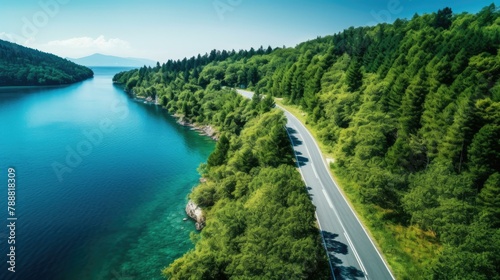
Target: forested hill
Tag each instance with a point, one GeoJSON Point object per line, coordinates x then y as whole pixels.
{"type": "Point", "coordinates": [21, 66]}
{"type": "Point", "coordinates": [410, 112]}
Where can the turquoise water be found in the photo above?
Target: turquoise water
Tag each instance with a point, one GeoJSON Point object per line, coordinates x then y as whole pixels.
{"type": "Point", "coordinates": [101, 182]}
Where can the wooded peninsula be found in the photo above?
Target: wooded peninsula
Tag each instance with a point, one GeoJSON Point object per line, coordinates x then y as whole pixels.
{"type": "Point", "coordinates": [21, 66]}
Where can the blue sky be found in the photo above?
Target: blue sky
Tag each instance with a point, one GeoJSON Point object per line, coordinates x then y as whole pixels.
{"type": "Point", "coordinates": [164, 29]}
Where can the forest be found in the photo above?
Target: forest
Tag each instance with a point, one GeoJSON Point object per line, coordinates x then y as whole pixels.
{"type": "Point", "coordinates": [260, 220]}
{"type": "Point", "coordinates": [410, 111]}
{"type": "Point", "coordinates": [21, 66]}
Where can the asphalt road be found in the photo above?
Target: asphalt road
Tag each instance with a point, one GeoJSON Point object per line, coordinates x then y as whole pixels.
{"type": "Point", "coordinates": [352, 253]}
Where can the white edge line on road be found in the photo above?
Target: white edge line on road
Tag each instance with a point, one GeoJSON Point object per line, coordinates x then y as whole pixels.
{"type": "Point", "coordinates": [358, 259]}
{"type": "Point", "coordinates": [324, 245]}
{"type": "Point", "coordinates": [312, 164]}
{"type": "Point", "coordinates": [328, 171]}
{"type": "Point", "coordinates": [355, 253]}
{"type": "Point", "coordinates": [315, 213]}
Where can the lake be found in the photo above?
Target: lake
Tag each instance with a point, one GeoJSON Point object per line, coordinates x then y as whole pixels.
{"type": "Point", "coordinates": [101, 182]}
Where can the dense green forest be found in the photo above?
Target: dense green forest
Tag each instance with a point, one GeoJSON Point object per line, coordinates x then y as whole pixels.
{"type": "Point", "coordinates": [260, 220]}
{"type": "Point", "coordinates": [409, 110]}
{"type": "Point", "coordinates": [21, 66]}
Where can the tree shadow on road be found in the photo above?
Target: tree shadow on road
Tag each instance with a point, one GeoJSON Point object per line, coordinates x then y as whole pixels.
{"type": "Point", "coordinates": [335, 248]}
{"type": "Point", "coordinates": [309, 189]}
{"type": "Point", "coordinates": [348, 273]}
{"type": "Point", "coordinates": [301, 161]}
{"type": "Point", "coordinates": [295, 141]}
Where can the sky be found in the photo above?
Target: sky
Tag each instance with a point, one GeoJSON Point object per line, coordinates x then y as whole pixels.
{"type": "Point", "coordinates": [174, 29]}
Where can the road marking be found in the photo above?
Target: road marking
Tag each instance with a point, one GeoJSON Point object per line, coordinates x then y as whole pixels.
{"type": "Point", "coordinates": [324, 244]}
{"type": "Point", "coordinates": [329, 201]}
{"type": "Point", "coordinates": [327, 198]}
{"type": "Point", "coordinates": [341, 194]}
{"type": "Point", "coordinates": [314, 170]}
{"type": "Point", "coordinates": [315, 213]}
{"type": "Point", "coordinates": [358, 259]}
{"type": "Point", "coordinates": [335, 184]}
{"type": "Point", "coordinates": [307, 150]}
{"type": "Point", "coordinates": [355, 253]}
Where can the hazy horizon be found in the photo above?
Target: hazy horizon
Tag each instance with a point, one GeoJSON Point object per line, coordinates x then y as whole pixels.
{"type": "Point", "coordinates": [162, 30]}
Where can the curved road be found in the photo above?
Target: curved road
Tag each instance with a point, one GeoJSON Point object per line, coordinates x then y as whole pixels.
{"type": "Point", "coordinates": [351, 252]}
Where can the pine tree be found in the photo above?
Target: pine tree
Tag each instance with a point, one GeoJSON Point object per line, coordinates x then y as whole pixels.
{"type": "Point", "coordinates": [219, 155]}
{"type": "Point", "coordinates": [489, 199]}
{"type": "Point", "coordinates": [412, 104]}
{"type": "Point", "coordinates": [484, 153]}
{"type": "Point", "coordinates": [354, 75]}
{"type": "Point", "coordinates": [443, 18]}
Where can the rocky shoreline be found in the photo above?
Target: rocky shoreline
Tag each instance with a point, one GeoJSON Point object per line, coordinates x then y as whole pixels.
{"type": "Point", "coordinates": [195, 213]}
{"type": "Point", "coordinates": [206, 130]}
{"type": "Point", "coordinates": [147, 100]}
{"type": "Point", "coordinates": [192, 210]}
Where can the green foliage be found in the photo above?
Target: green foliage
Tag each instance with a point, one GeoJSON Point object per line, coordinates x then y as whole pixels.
{"type": "Point", "coordinates": [489, 200]}
{"type": "Point", "coordinates": [354, 75]}
{"type": "Point", "coordinates": [476, 257]}
{"type": "Point", "coordinates": [260, 220]}
{"type": "Point", "coordinates": [484, 152]}
{"type": "Point", "coordinates": [268, 139]}
{"type": "Point", "coordinates": [410, 110]}
{"type": "Point", "coordinates": [219, 155]}
{"type": "Point", "coordinates": [21, 66]}
{"type": "Point", "coordinates": [443, 18]}
{"type": "Point", "coordinates": [269, 233]}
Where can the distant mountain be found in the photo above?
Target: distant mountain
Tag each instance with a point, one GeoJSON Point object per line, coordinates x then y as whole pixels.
{"type": "Point", "coordinates": [109, 60]}
{"type": "Point", "coordinates": [22, 66]}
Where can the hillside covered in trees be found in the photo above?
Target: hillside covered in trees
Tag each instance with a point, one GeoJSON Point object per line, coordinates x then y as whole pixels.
{"type": "Point", "coordinates": [410, 112]}
{"type": "Point", "coordinates": [260, 221]}
{"type": "Point", "coordinates": [21, 66]}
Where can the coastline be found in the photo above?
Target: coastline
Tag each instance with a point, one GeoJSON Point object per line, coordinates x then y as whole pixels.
{"type": "Point", "coordinates": [33, 87]}
{"type": "Point", "coordinates": [41, 86]}
{"type": "Point", "coordinates": [192, 210]}
{"type": "Point", "coordinates": [28, 87]}
{"type": "Point", "coordinates": [196, 213]}
{"type": "Point", "coordinates": [204, 130]}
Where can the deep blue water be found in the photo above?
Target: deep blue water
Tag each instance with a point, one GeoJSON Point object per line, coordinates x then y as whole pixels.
{"type": "Point", "coordinates": [101, 182]}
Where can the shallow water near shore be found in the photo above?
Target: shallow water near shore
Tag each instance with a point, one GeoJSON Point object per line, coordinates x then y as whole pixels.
{"type": "Point", "coordinates": [101, 182]}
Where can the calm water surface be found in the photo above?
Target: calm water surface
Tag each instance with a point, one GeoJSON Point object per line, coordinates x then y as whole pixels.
{"type": "Point", "coordinates": [101, 182]}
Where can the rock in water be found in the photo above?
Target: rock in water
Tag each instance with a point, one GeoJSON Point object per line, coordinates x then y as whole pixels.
{"type": "Point", "coordinates": [195, 213]}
